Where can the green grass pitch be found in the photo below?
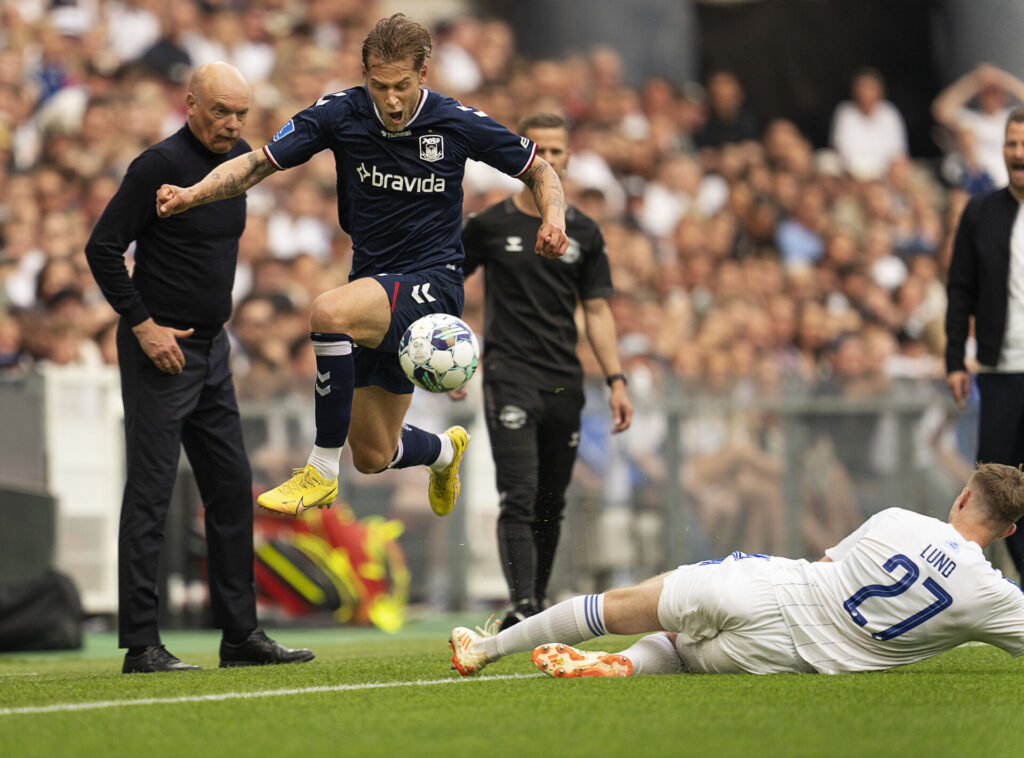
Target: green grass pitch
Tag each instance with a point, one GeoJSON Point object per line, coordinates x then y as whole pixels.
{"type": "Point", "coordinates": [372, 694]}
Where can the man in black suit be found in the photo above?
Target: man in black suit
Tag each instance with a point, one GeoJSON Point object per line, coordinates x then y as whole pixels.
{"type": "Point", "coordinates": [986, 280]}
{"type": "Point", "coordinates": [175, 377]}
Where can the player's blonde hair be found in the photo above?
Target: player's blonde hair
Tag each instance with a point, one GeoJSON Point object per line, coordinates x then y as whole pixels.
{"type": "Point", "coordinates": [396, 38]}
{"type": "Point", "coordinates": [1001, 491]}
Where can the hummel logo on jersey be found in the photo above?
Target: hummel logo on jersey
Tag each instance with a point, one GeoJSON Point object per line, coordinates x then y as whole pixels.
{"type": "Point", "coordinates": [431, 147]}
{"type": "Point", "coordinates": [513, 244]}
{"type": "Point", "coordinates": [399, 183]}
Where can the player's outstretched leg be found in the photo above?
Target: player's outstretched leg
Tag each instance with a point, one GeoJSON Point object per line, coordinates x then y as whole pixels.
{"type": "Point", "coordinates": [443, 489]}
{"type": "Point", "coordinates": [306, 489]}
{"type": "Point", "coordinates": [575, 620]}
{"type": "Point", "coordinates": [468, 657]}
{"type": "Point", "coordinates": [565, 662]}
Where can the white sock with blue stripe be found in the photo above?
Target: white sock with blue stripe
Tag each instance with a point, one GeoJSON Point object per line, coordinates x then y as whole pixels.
{"type": "Point", "coordinates": [571, 621]}
{"type": "Point", "coordinates": [654, 654]}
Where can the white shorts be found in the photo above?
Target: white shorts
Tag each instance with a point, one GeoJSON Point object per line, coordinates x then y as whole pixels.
{"type": "Point", "coordinates": [728, 618]}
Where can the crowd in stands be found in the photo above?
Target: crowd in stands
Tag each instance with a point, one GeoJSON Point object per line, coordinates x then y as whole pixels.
{"type": "Point", "coordinates": [746, 260]}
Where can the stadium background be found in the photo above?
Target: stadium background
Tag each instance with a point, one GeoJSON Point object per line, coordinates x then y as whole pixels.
{"type": "Point", "coordinates": [779, 404]}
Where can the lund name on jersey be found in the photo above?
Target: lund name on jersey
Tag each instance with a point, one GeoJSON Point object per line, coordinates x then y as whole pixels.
{"type": "Point", "coordinates": [400, 183]}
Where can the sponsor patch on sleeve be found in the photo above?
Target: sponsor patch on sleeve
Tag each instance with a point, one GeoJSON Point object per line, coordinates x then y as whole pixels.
{"type": "Point", "coordinates": [284, 131]}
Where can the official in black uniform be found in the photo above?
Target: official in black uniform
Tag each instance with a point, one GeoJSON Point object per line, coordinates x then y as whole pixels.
{"type": "Point", "coordinates": [986, 280]}
{"type": "Point", "coordinates": [533, 381]}
{"type": "Point", "coordinates": [175, 381]}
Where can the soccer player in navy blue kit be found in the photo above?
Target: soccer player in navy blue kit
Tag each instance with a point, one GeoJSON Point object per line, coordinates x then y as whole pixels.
{"type": "Point", "coordinates": [176, 383]}
{"type": "Point", "coordinates": [400, 152]}
{"type": "Point", "coordinates": [533, 381]}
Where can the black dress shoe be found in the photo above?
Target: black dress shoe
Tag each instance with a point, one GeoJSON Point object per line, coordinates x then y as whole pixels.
{"type": "Point", "coordinates": [153, 659]}
{"type": "Point", "coordinates": [258, 649]}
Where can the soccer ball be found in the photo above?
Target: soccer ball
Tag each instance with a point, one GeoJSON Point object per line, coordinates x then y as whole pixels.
{"type": "Point", "coordinates": [438, 352]}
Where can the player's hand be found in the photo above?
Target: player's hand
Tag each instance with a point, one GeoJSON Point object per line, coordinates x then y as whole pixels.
{"type": "Point", "coordinates": [959, 383]}
{"type": "Point", "coordinates": [171, 199]}
{"type": "Point", "coordinates": [459, 394]}
{"type": "Point", "coordinates": [622, 408]}
{"type": "Point", "coordinates": [551, 241]}
{"type": "Point", "coordinates": [160, 343]}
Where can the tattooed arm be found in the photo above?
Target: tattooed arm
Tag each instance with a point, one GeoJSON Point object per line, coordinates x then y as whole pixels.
{"type": "Point", "coordinates": [550, 199]}
{"type": "Point", "coordinates": [229, 179]}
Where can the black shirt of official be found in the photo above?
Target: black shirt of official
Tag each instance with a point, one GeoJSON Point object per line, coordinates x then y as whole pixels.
{"type": "Point", "coordinates": [978, 277]}
{"type": "Point", "coordinates": [530, 301]}
{"type": "Point", "coordinates": [184, 265]}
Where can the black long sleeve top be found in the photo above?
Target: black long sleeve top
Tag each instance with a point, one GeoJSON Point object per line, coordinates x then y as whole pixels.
{"type": "Point", "coordinates": [978, 275]}
{"type": "Point", "coordinates": [184, 265]}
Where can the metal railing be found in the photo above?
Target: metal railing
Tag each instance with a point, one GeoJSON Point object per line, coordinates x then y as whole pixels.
{"type": "Point", "coordinates": [697, 476]}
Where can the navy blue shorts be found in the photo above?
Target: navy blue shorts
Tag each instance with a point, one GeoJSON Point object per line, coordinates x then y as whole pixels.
{"type": "Point", "coordinates": [412, 296]}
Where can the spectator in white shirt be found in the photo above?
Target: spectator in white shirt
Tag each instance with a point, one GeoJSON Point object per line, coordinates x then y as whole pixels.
{"type": "Point", "coordinates": [868, 131]}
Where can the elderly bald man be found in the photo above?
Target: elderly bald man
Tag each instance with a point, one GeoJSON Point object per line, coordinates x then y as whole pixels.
{"type": "Point", "coordinates": [175, 380]}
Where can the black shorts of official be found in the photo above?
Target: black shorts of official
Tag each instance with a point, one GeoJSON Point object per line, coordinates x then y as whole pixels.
{"type": "Point", "coordinates": [412, 296]}
{"type": "Point", "coordinates": [534, 438]}
{"type": "Point", "coordinates": [1001, 435]}
{"type": "Point", "coordinates": [196, 409]}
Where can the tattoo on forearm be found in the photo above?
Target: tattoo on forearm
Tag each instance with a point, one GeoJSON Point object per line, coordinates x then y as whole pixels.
{"type": "Point", "coordinates": [546, 188]}
{"type": "Point", "coordinates": [234, 177]}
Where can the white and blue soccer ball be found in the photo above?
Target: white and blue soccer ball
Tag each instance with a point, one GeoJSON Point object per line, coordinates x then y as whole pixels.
{"type": "Point", "coordinates": [439, 352]}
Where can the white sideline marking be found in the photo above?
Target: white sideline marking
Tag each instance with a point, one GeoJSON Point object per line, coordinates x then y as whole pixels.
{"type": "Point", "coordinates": [62, 707]}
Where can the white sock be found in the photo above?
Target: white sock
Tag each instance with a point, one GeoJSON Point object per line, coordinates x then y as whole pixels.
{"type": "Point", "coordinates": [654, 654]}
{"type": "Point", "coordinates": [445, 456]}
{"type": "Point", "coordinates": [326, 460]}
{"type": "Point", "coordinates": [571, 621]}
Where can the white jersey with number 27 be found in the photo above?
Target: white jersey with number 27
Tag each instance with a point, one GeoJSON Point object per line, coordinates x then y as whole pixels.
{"type": "Point", "coordinates": [901, 588]}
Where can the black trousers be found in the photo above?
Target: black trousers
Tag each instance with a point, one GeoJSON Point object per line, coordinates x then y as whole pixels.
{"type": "Point", "coordinates": [534, 437]}
{"type": "Point", "coordinates": [163, 412]}
{"type": "Point", "coordinates": [1001, 436]}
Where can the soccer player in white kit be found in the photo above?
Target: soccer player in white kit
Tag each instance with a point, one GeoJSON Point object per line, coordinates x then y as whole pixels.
{"type": "Point", "coordinates": [901, 588]}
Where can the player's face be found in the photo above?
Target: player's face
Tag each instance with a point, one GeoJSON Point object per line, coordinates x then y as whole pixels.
{"type": "Point", "coordinates": [395, 89]}
{"type": "Point", "coordinates": [552, 146]}
{"type": "Point", "coordinates": [1013, 154]}
{"type": "Point", "coordinates": [216, 114]}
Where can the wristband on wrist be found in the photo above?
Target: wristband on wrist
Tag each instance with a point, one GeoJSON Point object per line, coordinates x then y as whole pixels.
{"type": "Point", "coordinates": [614, 378]}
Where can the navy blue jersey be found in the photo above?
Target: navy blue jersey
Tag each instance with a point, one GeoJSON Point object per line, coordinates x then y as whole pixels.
{"type": "Point", "coordinates": [400, 193]}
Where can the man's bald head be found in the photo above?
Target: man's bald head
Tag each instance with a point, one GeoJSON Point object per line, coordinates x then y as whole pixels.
{"type": "Point", "coordinates": [218, 102]}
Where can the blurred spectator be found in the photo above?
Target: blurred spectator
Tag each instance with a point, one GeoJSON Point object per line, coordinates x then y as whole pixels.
{"type": "Point", "coordinates": [11, 354]}
{"type": "Point", "coordinates": [868, 131]}
{"type": "Point", "coordinates": [962, 166]}
{"type": "Point", "coordinates": [728, 120]}
{"type": "Point", "coordinates": [132, 27]}
{"type": "Point", "coordinates": [978, 132]}
{"type": "Point", "coordinates": [800, 237]}
{"type": "Point", "coordinates": [169, 55]}
{"type": "Point", "coordinates": [303, 225]}
{"type": "Point", "coordinates": [455, 42]}
{"type": "Point", "coordinates": [681, 187]}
